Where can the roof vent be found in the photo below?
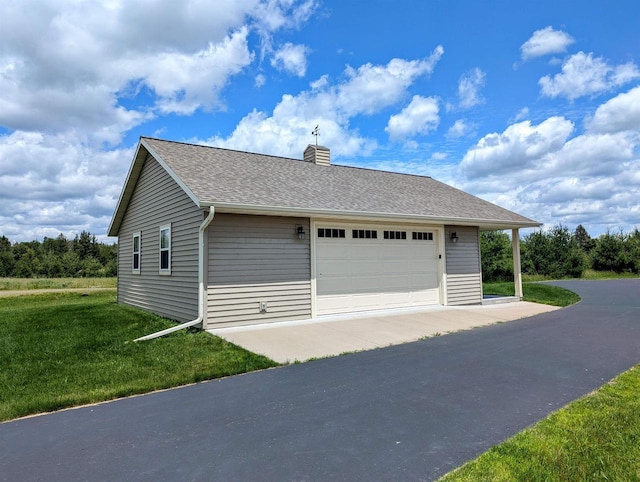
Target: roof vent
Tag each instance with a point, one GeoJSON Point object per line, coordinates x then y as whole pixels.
{"type": "Point", "coordinates": [318, 155]}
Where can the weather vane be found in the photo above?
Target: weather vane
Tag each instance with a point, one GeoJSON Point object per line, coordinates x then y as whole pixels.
{"type": "Point", "coordinates": [316, 132]}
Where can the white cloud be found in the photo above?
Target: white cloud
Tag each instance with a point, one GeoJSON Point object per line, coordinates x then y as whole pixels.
{"type": "Point", "coordinates": [64, 65]}
{"type": "Point", "coordinates": [520, 146]}
{"type": "Point", "coordinates": [372, 86]}
{"type": "Point", "coordinates": [418, 118]}
{"type": "Point", "coordinates": [291, 59]}
{"type": "Point", "coordinates": [469, 87]}
{"type": "Point", "coordinates": [522, 114]}
{"type": "Point", "coordinates": [460, 128]}
{"type": "Point", "coordinates": [583, 74]}
{"type": "Point", "coordinates": [542, 172]}
{"type": "Point", "coordinates": [363, 91]}
{"type": "Point", "coordinates": [76, 77]}
{"type": "Point", "coordinates": [55, 183]}
{"type": "Point", "coordinates": [269, 16]}
{"type": "Point", "coordinates": [185, 83]}
{"type": "Point", "coordinates": [272, 15]}
{"type": "Point", "coordinates": [618, 114]}
{"type": "Point", "coordinates": [259, 80]}
{"type": "Point", "coordinates": [544, 42]}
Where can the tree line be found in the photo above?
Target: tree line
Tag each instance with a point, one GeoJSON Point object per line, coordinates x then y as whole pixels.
{"type": "Point", "coordinates": [58, 257]}
{"type": "Point", "coordinates": [560, 253]}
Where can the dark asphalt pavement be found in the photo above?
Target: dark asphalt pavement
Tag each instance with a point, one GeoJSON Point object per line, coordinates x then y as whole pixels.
{"type": "Point", "coordinates": [407, 412]}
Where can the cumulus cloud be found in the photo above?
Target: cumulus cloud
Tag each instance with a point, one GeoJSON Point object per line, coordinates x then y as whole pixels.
{"type": "Point", "coordinates": [469, 87]}
{"type": "Point", "coordinates": [365, 90]}
{"type": "Point", "coordinates": [418, 118]}
{"type": "Point", "coordinates": [520, 146]}
{"type": "Point", "coordinates": [76, 77]}
{"type": "Point", "coordinates": [583, 74]}
{"type": "Point", "coordinates": [291, 59]}
{"type": "Point", "coordinates": [55, 183]}
{"type": "Point", "coordinates": [619, 114]}
{"type": "Point", "coordinates": [76, 64]}
{"type": "Point", "coordinates": [541, 171]}
{"type": "Point", "coordinates": [370, 87]}
{"type": "Point", "coordinates": [545, 41]}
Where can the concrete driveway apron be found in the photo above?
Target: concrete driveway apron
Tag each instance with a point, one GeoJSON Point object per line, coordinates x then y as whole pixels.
{"type": "Point", "coordinates": [406, 412]}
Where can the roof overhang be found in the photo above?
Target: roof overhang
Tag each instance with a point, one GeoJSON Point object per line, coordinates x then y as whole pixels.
{"type": "Point", "coordinates": [483, 224]}
{"type": "Point", "coordinates": [142, 152]}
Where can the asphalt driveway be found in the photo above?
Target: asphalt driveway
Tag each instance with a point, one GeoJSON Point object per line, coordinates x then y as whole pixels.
{"type": "Point", "coordinates": [406, 412]}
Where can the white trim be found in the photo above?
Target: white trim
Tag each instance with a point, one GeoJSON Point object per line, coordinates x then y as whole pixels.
{"type": "Point", "coordinates": [173, 175]}
{"type": "Point", "coordinates": [118, 216]}
{"type": "Point", "coordinates": [517, 268]}
{"type": "Point", "coordinates": [161, 270]}
{"type": "Point", "coordinates": [442, 265]}
{"type": "Point", "coordinates": [313, 260]}
{"type": "Point", "coordinates": [366, 216]}
{"type": "Point", "coordinates": [134, 270]}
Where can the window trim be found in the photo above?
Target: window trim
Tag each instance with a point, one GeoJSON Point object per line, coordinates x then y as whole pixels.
{"type": "Point", "coordinates": [335, 233]}
{"type": "Point", "coordinates": [167, 270]}
{"type": "Point", "coordinates": [393, 235]}
{"type": "Point", "coordinates": [135, 270]}
{"type": "Point", "coordinates": [423, 236]}
{"type": "Point", "coordinates": [364, 234]}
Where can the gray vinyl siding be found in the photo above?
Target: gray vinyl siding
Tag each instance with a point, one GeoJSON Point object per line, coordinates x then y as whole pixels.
{"type": "Point", "coordinates": [158, 200]}
{"type": "Point", "coordinates": [255, 259]}
{"type": "Point", "coordinates": [464, 274]}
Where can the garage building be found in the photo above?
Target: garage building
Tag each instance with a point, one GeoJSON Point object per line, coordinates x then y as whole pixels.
{"type": "Point", "coordinates": [217, 237]}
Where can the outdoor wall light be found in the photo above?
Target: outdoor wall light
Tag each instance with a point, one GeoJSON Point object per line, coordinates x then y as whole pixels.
{"type": "Point", "coordinates": [454, 237]}
{"type": "Point", "coordinates": [300, 231]}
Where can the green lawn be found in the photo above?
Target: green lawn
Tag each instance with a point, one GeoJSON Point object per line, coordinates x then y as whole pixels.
{"type": "Point", "coordinates": [535, 292]}
{"type": "Point", "coordinates": [64, 349]}
{"type": "Point", "coordinates": [596, 438]}
{"type": "Point", "coordinates": [14, 284]}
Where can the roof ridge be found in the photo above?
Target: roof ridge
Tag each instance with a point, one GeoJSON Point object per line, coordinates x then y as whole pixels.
{"type": "Point", "coordinates": [287, 158]}
{"type": "Point", "coordinates": [220, 148]}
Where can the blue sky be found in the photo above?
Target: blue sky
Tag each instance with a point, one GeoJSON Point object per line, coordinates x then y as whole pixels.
{"type": "Point", "coordinates": [532, 105]}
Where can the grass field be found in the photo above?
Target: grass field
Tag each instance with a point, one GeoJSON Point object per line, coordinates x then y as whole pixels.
{"type": "Point", "coordinates": [596, 438]}
{"type": "Point", "coordinates": [64, 349]}
{"type": "Point", "coordinates": [18, 284]}
{"type": "Point", "coordinates": [534, 292]}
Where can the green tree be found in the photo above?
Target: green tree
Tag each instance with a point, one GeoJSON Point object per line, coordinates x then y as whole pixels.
{"type": "Point", "coordinates": [554, 254]}
{"type": "Point", "coordinates": [28, 265]}
{"type": "Point", "coordinates": [617, 252]}
{"type": "Point", "coordinates": [496, 256]}
{"type": "Point", "coordinates": [7, 261]}
{"type": "Point", "coordinates": [583, 240]}
{"type": "Point", "coordinates": [85, 245]}
{"type": "Point", "coordinates": [57, 246]}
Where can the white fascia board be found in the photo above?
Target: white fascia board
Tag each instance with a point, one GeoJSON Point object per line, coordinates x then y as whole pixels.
{"type": "Point", "coordinates": [171, 173]}
{"type": "Point", "coordinates": [357, 215]}
{"type": "Point", "coordinates": [127, 189]}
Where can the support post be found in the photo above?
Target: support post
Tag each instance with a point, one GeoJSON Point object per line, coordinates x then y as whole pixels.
{"type": "Point", "coordinates": [517, 269]}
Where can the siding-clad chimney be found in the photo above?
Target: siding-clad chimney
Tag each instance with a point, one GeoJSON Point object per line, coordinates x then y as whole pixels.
{"type": "Point", "coordinates": [318, 155]}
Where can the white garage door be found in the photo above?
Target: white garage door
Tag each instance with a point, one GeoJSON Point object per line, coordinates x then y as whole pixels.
{"type": "Point", "coordinates": [362, 268]}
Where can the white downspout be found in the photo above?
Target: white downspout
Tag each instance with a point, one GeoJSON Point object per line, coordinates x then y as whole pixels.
{"type": "Point", "coordinates": [201, 259]}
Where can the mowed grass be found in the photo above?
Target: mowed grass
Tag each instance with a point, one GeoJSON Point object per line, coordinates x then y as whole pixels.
{"type": "Point", "coordinates": [596, 438]}
{"type": "Point", "coordinates": [19, 284]}
{"type": "Point", "coordinates": [64, 349]}
{"type": "Point", "coordinates": [534, 292]}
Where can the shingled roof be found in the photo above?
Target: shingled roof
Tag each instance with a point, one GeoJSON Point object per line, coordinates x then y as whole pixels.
{"type": "Point", "coordinates": [236, 181]}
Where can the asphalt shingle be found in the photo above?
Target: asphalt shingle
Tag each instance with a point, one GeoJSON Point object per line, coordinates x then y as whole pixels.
{"type": "Point", "coordinates": [229, 177]}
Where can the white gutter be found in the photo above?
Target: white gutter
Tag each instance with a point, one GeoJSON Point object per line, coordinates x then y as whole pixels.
{"type": "Point", "coordinates": [233, 208]}
{"type": "Point", "coordinates": [201, 258]}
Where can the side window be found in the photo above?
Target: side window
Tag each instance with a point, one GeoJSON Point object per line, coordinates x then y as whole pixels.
{"type": "Point", "coordinates": [135, 258]}
{"type": "Point", "coordinates": [165, 249]}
